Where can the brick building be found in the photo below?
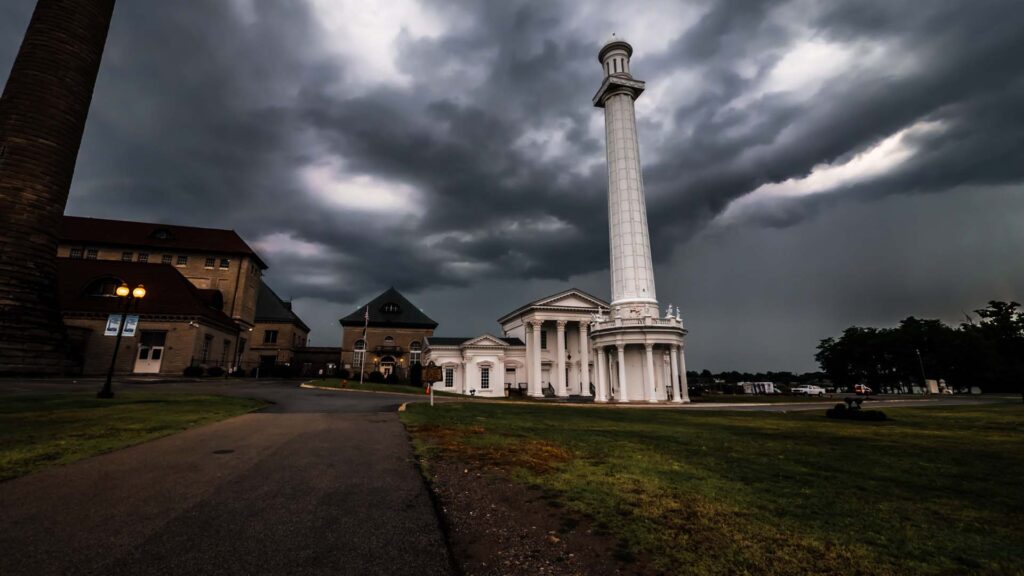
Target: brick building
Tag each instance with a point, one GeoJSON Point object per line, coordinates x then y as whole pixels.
{"type": "Point", "coordinates": [179, 325]}
{"type": "Point", "coordinates": [210, 258]}
{"type": "Point", "coordinates": [278, 333]}
{"type": "Point", "coordinates": [395, 335]}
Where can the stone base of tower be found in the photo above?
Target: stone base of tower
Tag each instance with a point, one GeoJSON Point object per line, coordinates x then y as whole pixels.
{"type": "Point", "coordinates": [640, 360]}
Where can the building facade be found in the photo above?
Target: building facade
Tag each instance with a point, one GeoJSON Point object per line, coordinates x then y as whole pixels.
{"type": "Point", "coordinates": [211, 259]}
{"type": "Point", "coordinates": [394, 340]}
{"type": "Point", "coordinates": [179, 325]}
{"type": "Point", "coordinates": [277, 334]}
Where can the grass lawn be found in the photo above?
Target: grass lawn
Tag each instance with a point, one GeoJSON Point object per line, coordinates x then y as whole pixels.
{"type": "Point", "coordinates": [764, 398]}
{"type": "Point", "coordinates": [932, 491]}
{"type": "Point", "coordinates": [44, 430]}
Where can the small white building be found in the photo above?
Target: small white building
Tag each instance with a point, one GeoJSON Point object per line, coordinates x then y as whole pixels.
{"type": "Point", "coordinates": [545, 349]}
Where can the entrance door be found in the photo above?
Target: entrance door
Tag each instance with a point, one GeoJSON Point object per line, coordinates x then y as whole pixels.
{"type": "Point", "coordinates": [151, 352]}
{"type": "Point", "coordinates": [387, 366]}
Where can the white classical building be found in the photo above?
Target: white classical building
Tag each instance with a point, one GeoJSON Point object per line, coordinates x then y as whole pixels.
{"type": "Point", "coordinates": [572, 343]}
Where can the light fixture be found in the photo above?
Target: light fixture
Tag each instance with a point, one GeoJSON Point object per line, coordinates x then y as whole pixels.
{"type": "Point", "coordinates": [123, 290]}
{"type": "Point", "coordinates": [139, 292]}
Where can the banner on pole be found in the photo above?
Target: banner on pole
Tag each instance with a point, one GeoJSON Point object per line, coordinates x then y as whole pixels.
{"type": "Point", "coordinates": [131, 322]}
{"type": "Point", "coordinates": [113, 323]}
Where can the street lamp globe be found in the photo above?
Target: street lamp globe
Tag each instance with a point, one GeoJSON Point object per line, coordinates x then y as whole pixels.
{"type": "Point", "coordinates": [122, 290]}
{"type": "Point", "coordinates": [139, 292]}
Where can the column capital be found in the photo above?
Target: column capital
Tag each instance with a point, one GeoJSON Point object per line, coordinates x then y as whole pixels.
{"type": "Point", "coordinates": [535, 324]}
{"type": "Point", "coordinates": [620, 346]}
{"type": "Point", "coordinates": [560, 324]}
{"type": "Point", "coordinates": [649, 347]}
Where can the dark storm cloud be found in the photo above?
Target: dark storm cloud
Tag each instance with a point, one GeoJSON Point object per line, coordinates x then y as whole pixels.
{"type": "Point", "coordinates": [210, 113]}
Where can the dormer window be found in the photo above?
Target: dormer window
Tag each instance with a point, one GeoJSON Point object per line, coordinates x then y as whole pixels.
{"type": "Point", "coordinates": [390, 308]}
{"type": "Point", "coordinates": [103, 287]}
{"type": "Point", "coordinates": [162, 234]}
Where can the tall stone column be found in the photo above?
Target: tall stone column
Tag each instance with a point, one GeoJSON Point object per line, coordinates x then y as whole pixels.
{"type": "Point", "coordinates": [535, 390]}
{"type": "Point", "coordinates": [677, 394]}
{"type": "Point", "coordinates": [632, 269]}
{"type": "Point", "coordinates": [561, 388]}
{"type": "Point", "coordinates": [684, 387]}
{"type": "Point", "coordinates": [649, 383]}
{"type": "Point", "coordinates": [584, 360]}
{"type": "Point", "coordinates": [42, 117]}
{"type": "Point", "coordinates": [602, 376]}
{"type": "Point", "coordinates": [623, 392]}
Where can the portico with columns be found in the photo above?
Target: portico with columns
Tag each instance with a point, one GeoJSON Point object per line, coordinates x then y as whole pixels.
{"type": "Point", "coordinates": [556, 330]}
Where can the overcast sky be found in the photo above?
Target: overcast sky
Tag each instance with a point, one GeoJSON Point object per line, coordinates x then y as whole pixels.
{"type": "Point", "coordinates": [809, 164]}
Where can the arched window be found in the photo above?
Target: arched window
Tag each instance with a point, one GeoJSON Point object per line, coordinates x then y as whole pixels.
{"type": "Point", "coordinates": [103, 287]}
{"type": "Point", "coordinates": [357, 355]}
{"type": "Point", "coordinates": [389, 341]}
{"type": "Point", "coordinates": [414, 352]}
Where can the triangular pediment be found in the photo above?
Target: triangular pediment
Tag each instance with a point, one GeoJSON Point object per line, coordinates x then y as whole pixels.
{"type": "Point", "coordinates": [485, 340]}
{"type": "Point", "coordinates": [572, 298]}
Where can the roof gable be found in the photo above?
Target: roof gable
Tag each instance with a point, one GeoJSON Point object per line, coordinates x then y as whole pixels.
{"type": "Point", "coordinates": [389, 309]}
{"type": "Point", "coordinates": [571, 298]}
{"type": "Point", "coordinates": [270, 308]}
{"type": "Point", "coordinates": [486, 340]}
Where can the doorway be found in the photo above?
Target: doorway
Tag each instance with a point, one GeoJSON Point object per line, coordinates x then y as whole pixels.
{"type": "Point", "coordinates": [151, 352]}
{"type": "Point", "coordinates": [387, 366]}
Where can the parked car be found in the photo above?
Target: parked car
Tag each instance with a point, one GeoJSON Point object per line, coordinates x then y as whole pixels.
{"type": "Point", "coordinates": [862, 389]}
{"type": "Point", "coordinates": [808, 390]}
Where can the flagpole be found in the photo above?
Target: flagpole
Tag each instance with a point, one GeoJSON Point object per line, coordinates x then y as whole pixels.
{"type": "Point", "coordinates": [362, 359]}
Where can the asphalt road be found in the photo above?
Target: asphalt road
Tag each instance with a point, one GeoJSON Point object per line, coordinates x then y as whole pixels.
{"type": "Point", "coordinates": [319, 483]}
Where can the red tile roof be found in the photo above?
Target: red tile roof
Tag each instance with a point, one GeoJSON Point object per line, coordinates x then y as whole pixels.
{"type": "Point", "coordinates": [75, 229]}
{"type": "Point", "coordinates": [167, 291]}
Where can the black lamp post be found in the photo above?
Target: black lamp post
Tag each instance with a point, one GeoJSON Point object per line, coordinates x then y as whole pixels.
{"type": "Point", "coordinates": [129, 296]}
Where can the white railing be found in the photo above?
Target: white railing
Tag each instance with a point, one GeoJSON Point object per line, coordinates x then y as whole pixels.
{"type": "Point", "coordinates": [646, 321]}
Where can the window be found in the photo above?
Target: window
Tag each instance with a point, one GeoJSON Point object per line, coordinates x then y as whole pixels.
{"type": "Point", "coordinates": [143, 257]}
{"type": "Point", "coordinates": [225, 263]}
{"type": "Point", "coordinates": [270, 337]}
{"type": "Point", "coordinates": [210, 262]}
{"type": "Point", "coordinates": [126, 256]}
{"type": "Point", "coordinates": [91, 254]}
{"type": "Point", "coordinates": [224, 353]}
{"type": "Point", "coordinates": [76, 253]}
{"type": "Point", "coordinates": [414, 353]}
{"type": "Point", "coordinates": [165, 259]}
{"type": "Point", "coordinates": [390, 308]}
{"type": "Point", "coordinates": [543, 339]}
{"type": "Point", "coordinates": [103, 287]}
{"type": "Point", "coordinates": [182, 260]}
{"type": "Point", "coordinates": [485, 378]}
{"type": "Point", "coordinates": [207, 343]}
{"type": "Point", "coordinates": [389, 341]}
{"type": "Point", "coordinates": [357, 354]}
{"type": "Point", "coordinates": [449, 376]}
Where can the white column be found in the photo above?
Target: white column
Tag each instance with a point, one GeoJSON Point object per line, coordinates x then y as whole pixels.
{"type": "Point", "coordinates": [602, 377]}
{"type": "Point", "coordinates": [584, 360]}
{"type": "Point", "coordinates": [536, 384]}
{"type": "Point", "coordinates": [683, 386]}
{"type": "Point", "coordinates": [623, 393]}
{"type": "Point", "coordinates": [677, 395]}
{"type": "Point", "coordinates": [652, 391]}
{"type": "Point", "coordinates": [561, 389]}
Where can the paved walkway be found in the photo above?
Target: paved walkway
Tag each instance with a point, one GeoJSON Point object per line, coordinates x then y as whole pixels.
{"type": "Point", "coordinates": [320, 483]}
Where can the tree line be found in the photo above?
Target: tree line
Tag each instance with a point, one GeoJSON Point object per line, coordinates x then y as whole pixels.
{"type": "Point", "coordinates": [986, 350]}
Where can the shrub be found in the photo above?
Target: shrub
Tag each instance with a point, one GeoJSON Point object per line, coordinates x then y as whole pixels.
{"type": "Point", "coordinates": [193, 371]}
{"type": "Point", "coordinates": [215, 371]}
{"type": "Point", "coordinates": [344, 374]}
{"type": "Point", "coordinates": [375, 376]}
